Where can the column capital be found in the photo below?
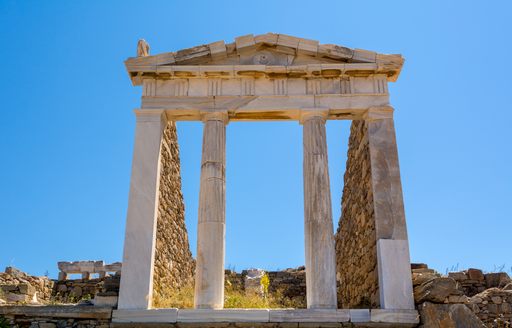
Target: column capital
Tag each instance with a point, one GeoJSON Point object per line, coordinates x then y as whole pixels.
{"type": "Point", "coordinates": [378, 113]}
{"type": "Point", "coordinates": [150, 115]}
{"type": "Point", "coordinates": [309, 114]}
{"type": "Point", "coordinates": [215, 116]}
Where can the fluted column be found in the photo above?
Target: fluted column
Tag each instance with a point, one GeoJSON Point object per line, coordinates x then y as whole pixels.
{"type": "Point", "coordinates": [318, 226]}
{"type": "Point", "coordinates": [136, 288]}
{"type": "Point", "coordinates": [209, 286]}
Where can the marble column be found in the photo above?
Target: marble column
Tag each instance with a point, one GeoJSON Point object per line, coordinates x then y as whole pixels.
{"type": "Point", "coordinates": [318, 225]}
{"type": "Point", "coordinates": [211, 230]}
{"type": "Point", "coordinates": [136, 287]}
{"type": "Point", "coordinates": [393, 261]}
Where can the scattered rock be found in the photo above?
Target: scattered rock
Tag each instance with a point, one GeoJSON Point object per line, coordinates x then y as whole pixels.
{"type": "Point", "coordinates": [448, 316]}
{"type": "Point", "coordinates": [436, 290]}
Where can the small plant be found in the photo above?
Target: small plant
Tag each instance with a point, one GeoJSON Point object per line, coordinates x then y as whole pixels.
{"type": "Point", "coordinates": [265, 282]}
{"type": "Point", "coordinates": [4, 323]}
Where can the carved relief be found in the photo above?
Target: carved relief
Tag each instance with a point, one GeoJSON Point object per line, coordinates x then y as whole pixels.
{"type": "Point", "coordinates": [264, 58]}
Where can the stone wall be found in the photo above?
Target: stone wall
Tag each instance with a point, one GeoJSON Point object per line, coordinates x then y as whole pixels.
{"type": "Point", "coordinates": [356, 250]}
{"type": "Point", "coordinates": [174, 265]}
{"type": "Point", "coordinates": [18, 287]}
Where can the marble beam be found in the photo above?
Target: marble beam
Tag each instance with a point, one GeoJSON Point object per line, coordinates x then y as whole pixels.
{"type": "Point", "coordinates": [318, 226]}
{"type": "Point", "coordinates": [211, 230]}
{"type": "Point", "coordinates": [136, 287]}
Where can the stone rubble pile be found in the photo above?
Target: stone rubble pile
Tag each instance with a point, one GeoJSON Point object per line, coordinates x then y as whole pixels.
{"type": "Point", "coordinates": [488, 296]}
{"type": "Point", "coordinates": [19, 287]}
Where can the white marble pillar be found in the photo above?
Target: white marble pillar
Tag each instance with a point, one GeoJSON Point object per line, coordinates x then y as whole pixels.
{"type": "Point", "coordinates": [318, 226]}
{"type": "Point", "coordinates": [139, 244]}
{"type": "Point", "coordinates": [211, 230]}
{"type": "Point", "coordinates": [394, 267]}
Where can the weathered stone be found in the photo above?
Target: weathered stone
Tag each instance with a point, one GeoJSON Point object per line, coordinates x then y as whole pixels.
{"type": "Point", "coordinates": [174, 264]}
{"type": "Point", "coordinates": [475, 274]}
{"type": "Point", "coordinates": [458, 276]}
{"type": "Point", "coordinates": [448, 316]}
{"type": "Point", "coordinates": [415, 266]}
{"type": "Point", "coordinates": [356, 245]}
{"type": "Point", "coordinates": [497, 279]}
{"type": "Point", "coordinates": [435, 290]}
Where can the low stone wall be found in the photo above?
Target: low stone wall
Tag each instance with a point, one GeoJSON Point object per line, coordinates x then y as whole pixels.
{"type": "Point", "coordinates": [72, 291]}
{"type": "Point", "coordinates": [174, 264]}
{"type": "Point", "coordinates": [19, 287]}
{"type": "Point", "coordinates": [356, 250]}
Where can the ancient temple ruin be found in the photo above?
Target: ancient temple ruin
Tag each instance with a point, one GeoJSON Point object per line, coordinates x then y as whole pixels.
{"type": "Point", "coordinates": [256, 78]}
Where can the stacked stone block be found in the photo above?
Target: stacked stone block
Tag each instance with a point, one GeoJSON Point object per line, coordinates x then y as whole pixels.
{"type": "Point", "coordinates": [174, 265]}
{"type": "Point", "coordinates": [356, 250]}
{"type": "Point", "coordinates": [19, 287]}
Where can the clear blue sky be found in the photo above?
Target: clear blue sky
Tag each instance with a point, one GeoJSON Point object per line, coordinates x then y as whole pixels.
{"type": "Point", "coordinates": [67, 126]}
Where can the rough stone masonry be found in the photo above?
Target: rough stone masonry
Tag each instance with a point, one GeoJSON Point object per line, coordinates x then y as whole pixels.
{"type": "Point", "coordinates": [174, 264]}
{"type": "Point", "coordinates": [356, 249]}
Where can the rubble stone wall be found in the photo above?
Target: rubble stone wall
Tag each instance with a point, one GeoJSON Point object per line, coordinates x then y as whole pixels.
{"type": "Point", "coordinates": [18, 287]}
{"type": "Point", "coordinates": [356, 249]}
{"type": "Point", "coordinates": [174, 265]}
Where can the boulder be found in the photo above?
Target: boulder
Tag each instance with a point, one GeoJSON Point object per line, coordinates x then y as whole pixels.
{"type": "Point", "coordinates": [475, 274]}
{"type": "Point", "coordinates": [448, 316]}
{"type": "Point", "coordinates": [497, 279]}
{"type": "Point", "coordinates": [436, 290]}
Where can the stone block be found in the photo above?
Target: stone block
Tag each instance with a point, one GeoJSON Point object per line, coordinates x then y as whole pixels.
{"type": "Point", "coordinates": [497, 279]}
{"type": "Point", "coordinates": [359, 315]}
{"type": "Point", "coordinates": [223, 315]}
{"type": "Point", "coordinates": [394, 316]}
{"type": "Point", "coordinates": [458, 276]}
{"type": "Point", "coordinates": [475, 274]}
{"type": "Point", "coordinates": [436, 290]}
{"type": "Point", "coordinates": [105, 300]}
{"type": "Point", "coordinates": [145, 316]}
{"type": "Point", "coordinates": [309, 315]}
{"type": "Point", "coordinates": [395, 283]}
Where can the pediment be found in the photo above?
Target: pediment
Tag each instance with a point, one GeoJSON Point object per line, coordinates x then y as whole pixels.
{"type": "Point", "coordinates": [267, 49]}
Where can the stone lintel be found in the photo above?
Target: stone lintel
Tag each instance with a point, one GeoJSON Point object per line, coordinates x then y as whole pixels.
{"type": "Point", "coordinates": [256, 108]}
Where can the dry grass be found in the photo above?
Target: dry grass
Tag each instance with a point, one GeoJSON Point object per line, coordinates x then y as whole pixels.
{"type": "Point", "coordinates": [233, 298]}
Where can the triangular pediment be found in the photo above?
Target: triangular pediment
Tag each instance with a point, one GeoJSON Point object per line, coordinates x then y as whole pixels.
{"type": "Point", "coordinates": [267, 49]}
